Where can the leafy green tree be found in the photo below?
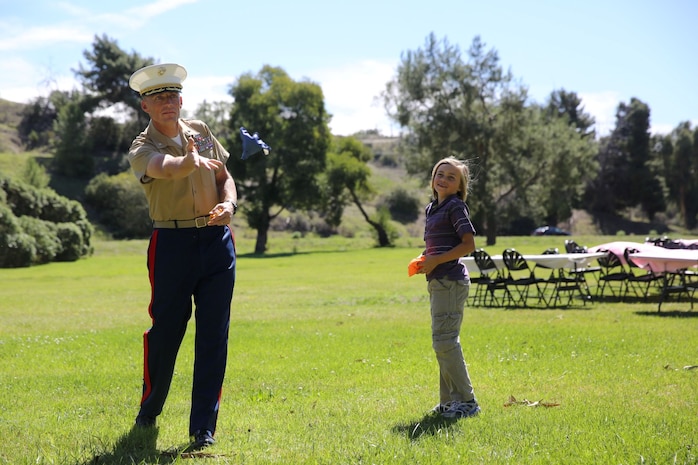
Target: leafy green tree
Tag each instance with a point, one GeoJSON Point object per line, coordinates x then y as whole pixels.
{"type": "Point", "coordinates": [471, 110]}
{"type": "Point", "coordinates": [402, 203]}
{"type": "Point", "coordinates": [291, 117]}
{"type": "Point", "coordinates": [625, 178]}
{"type": "Point", "coordinates": [572, 154]}
{"type": "Point", "coordinates": [216, 115]}
{"type": "Point", "coordinates": [678, 156]}
{"type": "Point", "coordinates": [36, 126]}
{"type": "Point", "coordinates": [568, 105]}
{"type": "Point", "coordinates": [71, 159]}
{"type": "Point", "coordinates": [566, 158]}
{"type": "Point", "coordinates": [105, 78]}
{"type": "Point", "coordinates": [347, 181]}
{"type": "Point", "coordinates": [34, 174]}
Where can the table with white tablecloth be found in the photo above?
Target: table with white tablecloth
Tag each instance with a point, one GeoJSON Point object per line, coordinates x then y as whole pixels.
{"type": "Point", "coordinates": [675, 266]}
{"type": "Point", "coordinates": [554, 261]}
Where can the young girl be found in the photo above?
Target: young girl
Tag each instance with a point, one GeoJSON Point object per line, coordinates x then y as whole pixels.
{"type": "Point", "coordinates": [449, 235]}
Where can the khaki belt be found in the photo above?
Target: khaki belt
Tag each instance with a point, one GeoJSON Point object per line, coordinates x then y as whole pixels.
{"type": "Point", "coordinates": [200, 222]}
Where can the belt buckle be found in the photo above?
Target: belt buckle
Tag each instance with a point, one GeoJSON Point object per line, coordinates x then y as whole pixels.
{"type": "Point", "coordinates": [201, 222]}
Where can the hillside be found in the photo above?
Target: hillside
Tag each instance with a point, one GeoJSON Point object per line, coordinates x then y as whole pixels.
{"type": "Point", "coordinates": [10, 117]}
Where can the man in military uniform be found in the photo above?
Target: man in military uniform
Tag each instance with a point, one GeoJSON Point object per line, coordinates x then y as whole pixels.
{"type": "Point", "coordinates": [192, 198]}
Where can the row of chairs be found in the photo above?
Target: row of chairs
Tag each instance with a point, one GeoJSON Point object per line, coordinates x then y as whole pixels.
{"type": "Point", "coordinates": [622, 281]}
{"type": "Point", "coordinates": [630, 281]}
{"type": "Point", "coordinates": [519, 284]}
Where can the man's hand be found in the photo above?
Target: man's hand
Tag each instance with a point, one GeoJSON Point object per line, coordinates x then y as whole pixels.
{"type": "Point", "coordinates": [221, 214]}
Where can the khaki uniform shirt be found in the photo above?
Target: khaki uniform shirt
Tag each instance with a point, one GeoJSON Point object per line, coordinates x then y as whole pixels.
{"type": "Point", "coordinates": [177, 199]}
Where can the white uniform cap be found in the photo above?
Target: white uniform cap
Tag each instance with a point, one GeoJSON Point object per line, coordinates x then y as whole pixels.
{"type": "Point", "coordinates": [158, 78]}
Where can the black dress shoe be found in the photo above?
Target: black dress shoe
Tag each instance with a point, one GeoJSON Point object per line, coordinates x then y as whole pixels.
{"type": "Point", "coordinates": [143, 421]}
{"type": "Point", "coordinates": [201, 440]}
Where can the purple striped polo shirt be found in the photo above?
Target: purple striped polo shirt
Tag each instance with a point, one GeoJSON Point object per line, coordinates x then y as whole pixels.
{"type": "Point", "coordinates": [445, 225]}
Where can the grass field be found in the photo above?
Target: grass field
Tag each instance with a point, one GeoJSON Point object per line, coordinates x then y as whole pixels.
{"type": "Point", "coordinates": [331, 363]}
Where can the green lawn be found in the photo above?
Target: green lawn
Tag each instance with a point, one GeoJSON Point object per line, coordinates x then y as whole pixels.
{"type": "Point", "coordinates": [331, 363]}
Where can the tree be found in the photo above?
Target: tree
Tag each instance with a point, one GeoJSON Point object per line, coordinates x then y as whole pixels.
{"type": "Point", "coordinates": [346, 180]}
{"type": "Point", "coordinates": [625, 179]}
{"type": "Point", "coordinates": [291, 117]}
{"type": "Point", "coordinates": [572, 147]}
{"type": "Point", "coordinates": [678, 156]}
{"type": "Point", "coordinates": [71, 158]}
{"type": "Point", "coordinates": [36, 127]}
{"type": "Point", "coordinates": [34, 174]}
{"type": "Point", "coordinates": [471, 110]}
{"type": "Point", "coordinates": [106, 78]}
{"type": "Point", "coordinates": [567, 162]}
{"type": "Point", "coordinates": [567, 105]}
{"type": "Point", "coordinates": [216, 115]}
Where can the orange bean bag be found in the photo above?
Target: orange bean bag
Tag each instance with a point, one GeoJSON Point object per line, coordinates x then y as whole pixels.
{"type": "Point", "coordinates": [415, 265]}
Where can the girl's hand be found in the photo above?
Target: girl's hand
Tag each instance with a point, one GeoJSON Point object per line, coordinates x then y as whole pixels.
{"type": "Point", "coordinates": [429, 263]}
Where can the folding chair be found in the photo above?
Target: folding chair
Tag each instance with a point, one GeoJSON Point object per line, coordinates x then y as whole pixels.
{"type": "Point", "coordinates": [562, 282]}
{"type": "Point", "coordinates": [572, 247]}
{"type": "Point", "coordinates": [640, 282]}
{"type": "Point", "coordinates": [612, 275]}
{"type": "Point", "coordinates": [678, 282]}
{"type": "Point", "coordinates": [521, 277]}
{"type": "Point", "coordinates": [489, 281]}
{"type": "Point", "coordinates": [581, 272]}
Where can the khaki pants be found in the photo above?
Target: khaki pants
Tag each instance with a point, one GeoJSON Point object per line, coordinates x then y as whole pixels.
{"type": "Point", "coordinates": [447, 300]}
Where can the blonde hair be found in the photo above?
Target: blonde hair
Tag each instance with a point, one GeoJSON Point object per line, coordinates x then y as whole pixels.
{"type": "Point", "coordinates": [464, 170]}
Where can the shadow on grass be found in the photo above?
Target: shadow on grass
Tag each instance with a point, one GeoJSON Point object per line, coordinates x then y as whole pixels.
{"type": "Point", "coordinates": [136, 446]}
{"type": "Point", "coordinates": [431, 424]}
{"type": "Point", "coordinates": [292, 253]}
{"type": "Point", "coordinates": [670, 313]}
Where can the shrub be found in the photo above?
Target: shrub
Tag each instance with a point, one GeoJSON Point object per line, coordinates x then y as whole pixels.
{"type": "Point", "coordinates": [45, 237]}
{"type": "Point", "coordinates": [17, 249]}
{"type": "Point", "coordinates": [34, 174]}
{"type": "Point", "coordinates": [121, 205]}
{"type": "Point", "coordinates": [25, 242]}
{"type": "Point", "coordinates": [72, 246]}
{"type": "Point", "coordinates": [44, 203]}
{"type": "Point", "coordinates": [404, 207]}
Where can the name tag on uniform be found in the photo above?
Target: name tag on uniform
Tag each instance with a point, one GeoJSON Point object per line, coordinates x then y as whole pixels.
{"type": "Point", "coordinates": [202, 143]}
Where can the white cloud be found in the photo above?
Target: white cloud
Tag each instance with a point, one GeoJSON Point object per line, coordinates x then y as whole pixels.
{"type": "Point", "coordinates": [39, 36]}
{"type": "Point", "coordinates": [602, 106]}
{"type": "Point", "coordinates": [209, 88]}
{"type": "Point", "coordinates": [22, 81]}
{"type": "Point", "coordinates": [350, 93]}
{"type": "Point", "coordinates": [159, 7]}
{"type": "Point", "coordinates": [351, 96]}
{"type": "Point", "coordinates": [137, 17]}
{"type": "Point", "coordinates": [665, 128]}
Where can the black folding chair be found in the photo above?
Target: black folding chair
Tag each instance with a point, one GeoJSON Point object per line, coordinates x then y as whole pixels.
{"type": "Point", "coordinates": [562, 282]}
{"type": "Point", "coordinates": [612, 277]}
{"type": "Point", "coordinates": [581, 272]}
{"type": "Point", "coordinates": [640, 281]}
{"type": "Point", "coordinates": [522, 278]}
{"type": "Point", "coordinates": [490, 280]}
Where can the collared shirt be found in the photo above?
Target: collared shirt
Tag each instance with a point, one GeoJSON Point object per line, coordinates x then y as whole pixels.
{"type": "Point", "coordinates": [177, 199]}
{"type": "Point", "coordinates": [445, 225]}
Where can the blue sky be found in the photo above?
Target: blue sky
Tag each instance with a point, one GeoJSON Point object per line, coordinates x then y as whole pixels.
{"type": "Point", "coordinates": [606, 51]}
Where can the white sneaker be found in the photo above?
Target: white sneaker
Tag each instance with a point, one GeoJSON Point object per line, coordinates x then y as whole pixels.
{"type": "Point", "coordinates": [441, 408]}
{"type": "Point", "coordinates": [458, 409]}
